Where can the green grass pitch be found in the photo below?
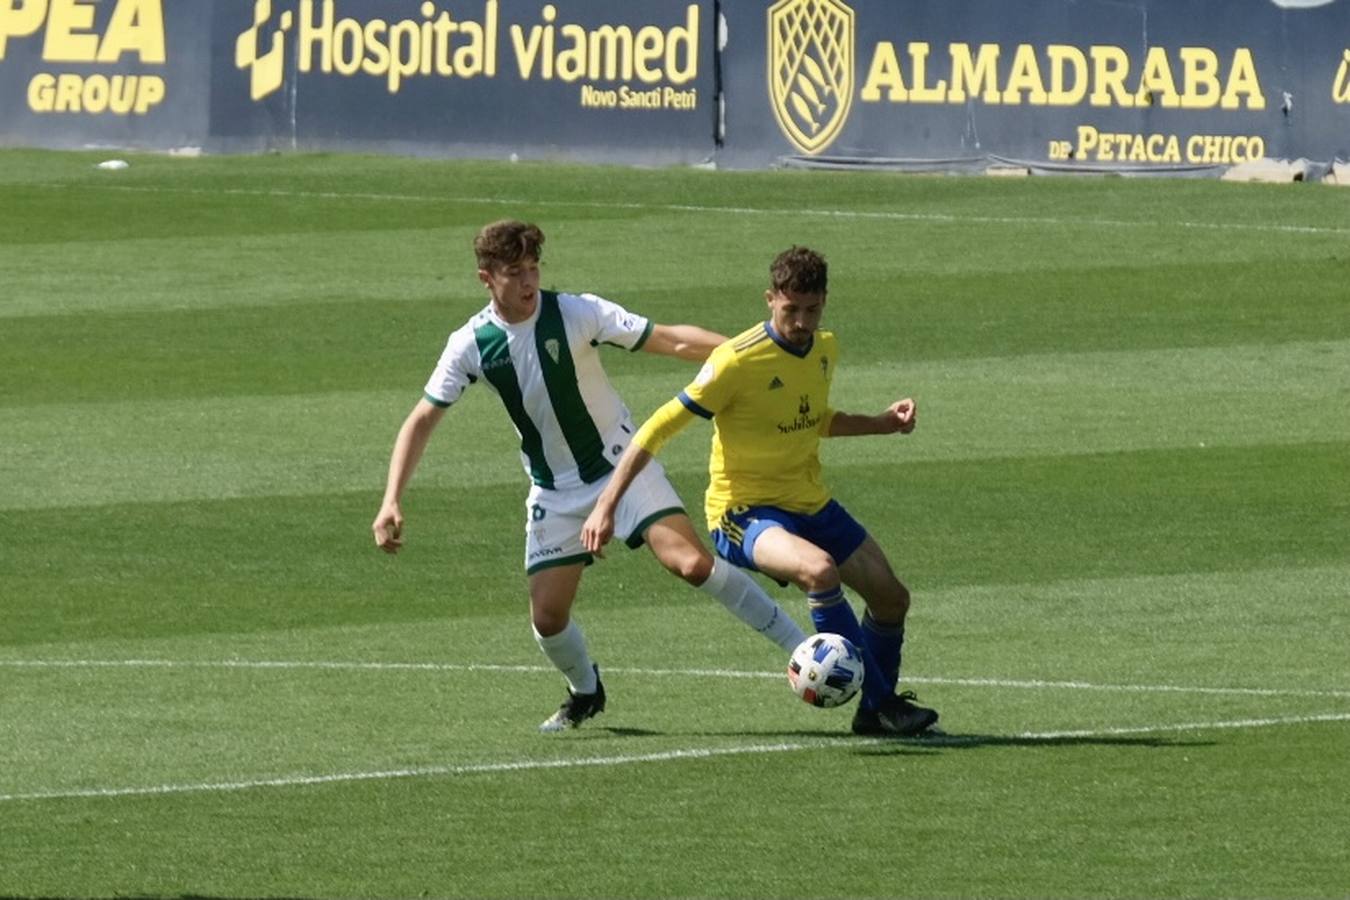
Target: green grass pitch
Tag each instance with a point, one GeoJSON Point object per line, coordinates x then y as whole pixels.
{"type": "Point", "coordinates": [1124, 516]}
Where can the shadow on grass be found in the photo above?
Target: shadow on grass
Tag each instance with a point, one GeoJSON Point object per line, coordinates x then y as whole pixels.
{"type": "Point", "coordinates": [883, 745]}
{"type": "Point", "coordinates": [632, 732]}
{"type": "Point", "coordinates": [928, 743]}
{"type": "Point", "coordinates": [964, 741]}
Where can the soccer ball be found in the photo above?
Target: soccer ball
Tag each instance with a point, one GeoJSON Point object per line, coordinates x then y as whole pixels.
{"type": "Point", "coordinates": [826, 670]}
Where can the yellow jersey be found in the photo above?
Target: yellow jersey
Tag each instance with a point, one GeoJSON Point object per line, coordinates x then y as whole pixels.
{"type": "Point", "coordinates": [770, 404]}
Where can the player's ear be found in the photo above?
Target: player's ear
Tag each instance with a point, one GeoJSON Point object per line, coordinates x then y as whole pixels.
{"type": "Point", "coordinates": [485, 276]}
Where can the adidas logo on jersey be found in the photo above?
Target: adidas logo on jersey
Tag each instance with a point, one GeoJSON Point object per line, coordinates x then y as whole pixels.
{"type": "Point", "coordinates": [776, 383]}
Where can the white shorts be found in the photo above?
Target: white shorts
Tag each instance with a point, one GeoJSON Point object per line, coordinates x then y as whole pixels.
{"type": "Point", "coordinates": [553, 519]}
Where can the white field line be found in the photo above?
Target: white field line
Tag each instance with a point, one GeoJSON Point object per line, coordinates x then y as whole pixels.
{"type": "Point", "coordinates": [663, 756]}
{"type": "Point", "coordinates": [874, 215]}
{"type": "Point", "coordinates": [339, 665]}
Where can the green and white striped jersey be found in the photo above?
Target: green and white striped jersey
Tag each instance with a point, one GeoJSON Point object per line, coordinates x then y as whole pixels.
{"type": "Point", "coordinates": [573, 426]}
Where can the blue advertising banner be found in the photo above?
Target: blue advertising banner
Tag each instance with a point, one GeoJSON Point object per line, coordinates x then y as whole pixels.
{"type": "Point", "coordinates": [1155, 86]}
{"type": "Point", "coordinates": [1151, 85]}
{"type": "Point", "coordinates": [589, 79]}
{"type": "Point", "coordinates": [127, 73]}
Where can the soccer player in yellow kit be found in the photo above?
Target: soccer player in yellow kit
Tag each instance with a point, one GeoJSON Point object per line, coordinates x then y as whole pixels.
{"type": "Point", "coordinates": [767, 392]}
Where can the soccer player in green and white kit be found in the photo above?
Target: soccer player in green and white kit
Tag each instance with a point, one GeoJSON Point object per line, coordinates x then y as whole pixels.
{"type": "Point", "coordinates": [538, 351]}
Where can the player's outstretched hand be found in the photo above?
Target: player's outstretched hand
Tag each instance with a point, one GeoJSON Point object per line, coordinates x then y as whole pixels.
{"type": "Point", "coordinates": [388, 528]}
{"type": "Point", "coordinates": [903, 415]}
{"type": "Point", "coordinates": [597, 530]}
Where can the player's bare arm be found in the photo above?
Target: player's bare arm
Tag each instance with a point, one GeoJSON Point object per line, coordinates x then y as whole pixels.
{"type": "Point", "coordinates": [688, 342]}
{"type": "Point", "coordinates": [660, 427]}
{"type": "Point", "coordinates": [901, 416]}
{"type": "Point", "coordinates": [683, 341]}
{"type": "Point", "coordinates": [408, 448]}
{"type": "Point", "coordinates": [599, 526]}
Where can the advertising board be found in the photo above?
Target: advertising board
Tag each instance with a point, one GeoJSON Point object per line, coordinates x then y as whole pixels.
{"type": "Point", "coordinates": [587, 79]}
{"type": "Point", "coordinates": [121, 73]}
{"type": "Point", "coordinates": [1145, 85]}
{"type": "Point", "coordinates": [1151, 86]}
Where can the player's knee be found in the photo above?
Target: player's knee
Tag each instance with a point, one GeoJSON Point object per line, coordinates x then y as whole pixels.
{"type": "Point", "coordinates": [817, 572]}
{"type": "Point", "coordinates": [902, 599]}
{"type": "Point", "coordinates": [694, 568]}
{"type": "Point", "coordinates": [547, 624]}
{"type": "Point", "coordinates": [891, 604]}
{"type": "Point", "coordinates": [547, 618]}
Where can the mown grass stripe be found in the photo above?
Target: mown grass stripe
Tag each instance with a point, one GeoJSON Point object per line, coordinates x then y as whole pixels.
{"type": "Point", "coordinates": [690, 753]}
{"type": "Point", "coordinates": [394, 666]}
{"type": "Point", "coordinates": [1196, 399]}
{"type": "Point", "coordinates": [808, 212]}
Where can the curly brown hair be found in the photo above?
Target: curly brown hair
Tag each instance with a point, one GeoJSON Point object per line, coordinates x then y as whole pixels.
{"type": "Point", "coordinates": [506, 243]}
{"type": "Point", "coordinates": [800, 270]}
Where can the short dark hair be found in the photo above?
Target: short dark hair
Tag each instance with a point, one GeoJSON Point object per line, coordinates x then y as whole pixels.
{"type": "Point", "coordinates": [506, 243]}
{"type": "Point", "coordinates": [799, 269]}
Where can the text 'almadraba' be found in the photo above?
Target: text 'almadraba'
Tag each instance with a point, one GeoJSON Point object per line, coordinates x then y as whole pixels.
{"type": "Point", "coordinates": [1197, 78]}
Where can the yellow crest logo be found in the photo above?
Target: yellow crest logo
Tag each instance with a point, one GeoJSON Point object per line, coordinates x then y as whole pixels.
{"type": "Point", "coordinates": [811, 56]}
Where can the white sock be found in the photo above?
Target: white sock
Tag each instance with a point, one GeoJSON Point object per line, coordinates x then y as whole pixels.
{"type": "Point", "coordinates": [747, 601]}
{"type": "Point", "coordinates": [567, 651]}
